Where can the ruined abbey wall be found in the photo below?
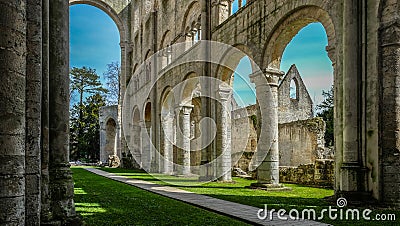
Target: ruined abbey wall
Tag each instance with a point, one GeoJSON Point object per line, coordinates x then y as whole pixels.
{"type": "Point", "coordinates": [363, 39]}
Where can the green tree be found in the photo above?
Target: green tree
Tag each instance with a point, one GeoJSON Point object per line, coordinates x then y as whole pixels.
{"type": "Point", "coordinates": [111, 76]}
{"type": "Point", "coordinates": [327, 113]}
{"type": "Point", "coordinates": [84, 81]}
{"type": "Point", "coordinates": [87, 144]}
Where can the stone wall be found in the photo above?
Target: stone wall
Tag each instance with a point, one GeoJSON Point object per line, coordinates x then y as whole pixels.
{"type": "Point", "coordinates": [320, 173]}
{"type": "Point", "coordinates": [301, 142]}
{"type": "Point", "coordinates": [298, 107]}
{"type": "Point", "coordinates": [241, 119]}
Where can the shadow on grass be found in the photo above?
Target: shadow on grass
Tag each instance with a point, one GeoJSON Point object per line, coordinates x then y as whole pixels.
{"type": "Point", "coordinates": [102, 201]}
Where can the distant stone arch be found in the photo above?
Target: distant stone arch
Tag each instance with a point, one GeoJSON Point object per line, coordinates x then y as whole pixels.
{"type": "Point", "coordinates": [111, 142]}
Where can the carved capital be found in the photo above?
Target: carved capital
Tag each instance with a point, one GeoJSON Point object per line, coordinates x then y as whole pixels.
{"type": "Point", "coordinates": [186, 109]}
{"type": "Point", "coordinates": [224, 92]}
{"type": "Point", "coordinates": [273, 76]}
{"type": "Point", "coordinates": [270, 76]}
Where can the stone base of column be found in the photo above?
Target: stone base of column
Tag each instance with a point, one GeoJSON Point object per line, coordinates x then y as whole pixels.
{"type": "Point", "coordinates": [269, 187]}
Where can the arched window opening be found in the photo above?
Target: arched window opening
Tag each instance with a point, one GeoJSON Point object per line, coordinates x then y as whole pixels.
{"type": "Point", "coordinates": [293, 90]}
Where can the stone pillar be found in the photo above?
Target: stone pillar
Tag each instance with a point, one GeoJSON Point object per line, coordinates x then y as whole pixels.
{"type": "Point", "coordinates": [45, 179]}
{"type": "Point", "coordinates": [168, 130]}
{"type": "Point", "coordinates": [33, 112]}
{"type": "Point", "coordinates": [184, 139]}
{"type": "Point", "coordinates": [136, 144]}
{"type": "Point", "coordinates": [12, 111]}
{"type": "Point", "coordinates": [125, 49]}
{"type": "Point", "coordinates": [61, 184]}
{"type": "Point", "coordinates": [225, 155]}
{"type": "Point", "coordinates": [390, 105]}
{"type": "Point", "coordinates": [267, 96]}
{"type": "Point", "coordinates": [352, 66]}
{"type": "Point", "coordinates": [146, 145]}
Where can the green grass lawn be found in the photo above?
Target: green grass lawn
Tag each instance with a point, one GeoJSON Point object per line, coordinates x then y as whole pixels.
{"type": "Point", "coordinates": [301, 197]}
{"type": "Point", "coordinates": [102, 201]}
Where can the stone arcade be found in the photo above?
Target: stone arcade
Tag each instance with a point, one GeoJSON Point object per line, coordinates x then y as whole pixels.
{"type": "Point", "coordinates": [35, 180]}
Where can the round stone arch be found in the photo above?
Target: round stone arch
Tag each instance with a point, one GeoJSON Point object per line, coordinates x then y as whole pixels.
{"type": "Point", "coordinates": [111, 128]}
{"type": "Point", "coordinates": [187, 88]}
{"type": "Point", "coordinates": [289, 25]}
{"type": "Point", "coordinates": [106, 7]}
{"type": "Point", "coordinates": [167, 101]}
{"type": "Point", "coordinates": [147, 111]}
{"type": "Point", "coordinates": [230, 61]}
{"type": "Point", "coordinates": [190, 12]}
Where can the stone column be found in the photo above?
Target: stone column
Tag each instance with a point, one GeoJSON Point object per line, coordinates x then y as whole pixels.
{"type": "Point", "coordinates": [45, 194]}
{"type": "Point", "coordinates": [125, 49]}
{"type": "Point", "coordinates": [168, 130]}
{"type": "Point", "coordinates": [389, 121]}
{"type": "Point", "coordinates": [136, 144]}
{"type": "Point", "coordinates": [267, 96]}
{"type": "Point", "coordinates": [12, 111]}
{"type": "Point", "coordinates": [146, 145]}
{"type": "Point", "coordinates": [33, 112]}
{"type": "Point", "coordinates": [61, 184]}
{"type": "Point", "coordinates": [225, 163]}
{"type": "Point", "coordinates": [184, 139]}
{"type": "Point", "coordinates": [351, 165]}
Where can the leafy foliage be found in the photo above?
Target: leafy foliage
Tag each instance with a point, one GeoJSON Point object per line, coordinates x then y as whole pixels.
{"type": "Point", "coordinates": [84, 121]}
{"type": "Point", "coordinates": [327, 113]}
{"type": "Point", "coordinates": [85, 81]}
{"type": "Point", "coordinates": [85, 131]}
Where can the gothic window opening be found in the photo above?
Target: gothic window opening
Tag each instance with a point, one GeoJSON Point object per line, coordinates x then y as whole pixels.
{"type": "Point", "coordinates": [293, 90]}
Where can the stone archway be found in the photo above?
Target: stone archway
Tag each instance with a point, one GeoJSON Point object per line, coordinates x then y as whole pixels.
{"type": "Point", "coordinates": [289, 26]}
{"type": "Point", "coordinates": [111, 9]}
{"type": "Point", "coordinates": [110, 141]}
{"type": "Point", "coordinates": [114, 9]}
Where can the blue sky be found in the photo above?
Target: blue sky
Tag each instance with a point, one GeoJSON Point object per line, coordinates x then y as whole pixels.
{"type": "Point", "coordinates": [95, 43]}
{"type": "Point", "coordinates": [94, 38]}
{"type": "Point", "coordinates": [307, 51]}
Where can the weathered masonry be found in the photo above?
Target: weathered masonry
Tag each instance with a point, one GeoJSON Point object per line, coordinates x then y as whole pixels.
{"type": "Point", "coordinates": [35, 180]}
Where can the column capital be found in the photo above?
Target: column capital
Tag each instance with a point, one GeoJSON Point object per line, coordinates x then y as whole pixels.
{"type": "Point", "coordinates": [220, 2]}
{"type": "Point", "coordinates": [186, 109]}
{"type": "Point", "coordinates": [270, 75]}
{"type": "Point", "coordinates": [273, 76]}
{"type": "Point", "coordinates": [224, 92]}
{"type": "Point", "coordinates": [126, 45]}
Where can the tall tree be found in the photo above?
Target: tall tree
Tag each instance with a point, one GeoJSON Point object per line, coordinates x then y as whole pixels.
{"type": "Point", "coordinates": [326, 112]}
{"type": "Point", "coordinates": [84, 81]}
{"type": "Point", "coordinates": [112, 82]}
{"type": "Point", "coordinates": [86, 145]}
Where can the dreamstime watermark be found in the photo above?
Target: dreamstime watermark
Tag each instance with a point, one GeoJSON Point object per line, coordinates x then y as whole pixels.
{"type": "Point", "coordinates": [332, 213]}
